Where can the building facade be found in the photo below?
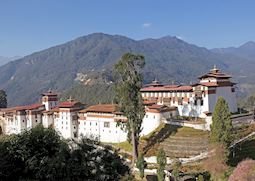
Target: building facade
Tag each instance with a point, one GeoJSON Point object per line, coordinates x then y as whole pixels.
{"type": "Point", "coordinates": [197, 100]}
{"type": "Point", "coordinates": [103, 121]}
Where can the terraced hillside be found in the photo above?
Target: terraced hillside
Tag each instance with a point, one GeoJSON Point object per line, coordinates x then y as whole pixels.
{"type": "Point", "coordinates": [245, 149]}
{"type": "Point", "coordinates": [178, 142]}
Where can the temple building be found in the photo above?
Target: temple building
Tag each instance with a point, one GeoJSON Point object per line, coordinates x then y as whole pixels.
{"type": "Point", "coordinates": [72, 121]}
{"type": "Point", "coordinates": [163, 103]}
{"type": "Point", "coordinates": [196, 100]}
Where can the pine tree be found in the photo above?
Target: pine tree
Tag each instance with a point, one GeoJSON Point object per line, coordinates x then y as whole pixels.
{"type": "Point", "coordinates": [128, 96]}
{"type": "Point", "coordinates": [3, 99]}
{"type": "Point", "coordinates": [221, 127]}
{"type": "Point", "coordinates": [176, 169]}
{"type": "Point", "coordinates": [161, 161]}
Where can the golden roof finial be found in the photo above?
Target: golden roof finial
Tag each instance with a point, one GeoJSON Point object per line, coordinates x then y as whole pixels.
{"type": "Point", "coordinates": [214, 69]}
{"type": "Point", "coordinates": [70, 99]}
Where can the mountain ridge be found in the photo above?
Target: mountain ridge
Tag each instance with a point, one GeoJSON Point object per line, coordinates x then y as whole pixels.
{"type": "Point", "coordinates": [93, 56]}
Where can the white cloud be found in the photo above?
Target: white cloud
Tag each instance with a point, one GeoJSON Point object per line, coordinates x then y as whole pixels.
{"type": "Point", "coordinates": [180, 37]}
{"type": "Point", "coordinates": [146, 25]}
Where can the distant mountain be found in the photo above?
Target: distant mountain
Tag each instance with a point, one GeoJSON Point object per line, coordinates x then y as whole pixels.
{"type": "Point", "coordinates": [246, 50]}
{"type": "Point", "coordinates": [83, 67]}
{"type": "Point", "coordinates": [4, 60]}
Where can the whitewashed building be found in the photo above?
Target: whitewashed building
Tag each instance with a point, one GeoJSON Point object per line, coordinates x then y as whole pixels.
{"type": "Point", "coordinates": [66, 118]}
{"type": "Point", "coordinates": [71, 120]}
{"type": "Point", "coordinates": [155, 115]}
{"type": "Point", "coordinates": [18, 119]}
{"type": "Point", "coordinates": [197, 100]}
{"type": "Point", "coordinates": [103, 121]}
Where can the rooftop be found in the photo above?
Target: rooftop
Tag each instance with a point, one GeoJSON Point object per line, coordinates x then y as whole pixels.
{"type": "Point", "coordinates": [49, 93]}
{"type": "Point", "coordinates": [161, 108]}
{"type": "Point", "coordinates": [174, 88]}
{"type": "Point", "coordinates": [216, 73]}
{"type": "Point", "coordinates": [21, 108]}
{"type": "Point", "coordinates": [69, 104]}
{"type": "Point", "coordinates": [102, 108]}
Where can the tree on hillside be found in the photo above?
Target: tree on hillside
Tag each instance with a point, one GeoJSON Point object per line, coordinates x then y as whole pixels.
{"type": "Point", "coordinates": [161, 161]}
{"type": "Point", "coordinates": [128, 96]}
{"type": "Point", "coordinates": [176, 169]}
{"type": "Point", "coordinates": [221, 127]}
{"type": "Point", "coordinates": [40, 154]}
{"type": "Point", "coordinates": [141, 165]}
{"type": "Point", "coordinates": [3, 99]}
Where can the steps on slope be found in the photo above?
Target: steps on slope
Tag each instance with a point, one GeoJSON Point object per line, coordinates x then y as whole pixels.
{"type": "Point", "coordinates": [183, 142]}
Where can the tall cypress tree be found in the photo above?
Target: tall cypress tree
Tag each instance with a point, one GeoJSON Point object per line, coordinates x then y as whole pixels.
{"type": "Point", "coordinates": [128, 96]}
{"type": "Point", "coordinates": [3, 99]}
{"type": "Point", "coordinates": [221, 127]}
{"type": "Point", "coordinates": [161, 161]}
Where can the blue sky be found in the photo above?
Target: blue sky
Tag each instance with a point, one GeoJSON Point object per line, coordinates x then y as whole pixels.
{"type": "Point", "coordinates": [27, 26]}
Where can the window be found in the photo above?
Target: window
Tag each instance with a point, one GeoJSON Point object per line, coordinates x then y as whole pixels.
{"type": "Point", "coordinates": [195, 102]}
{"type": "Point", "coordinates": [146, 116]}
{"type": "Point", "coordinates": [202, 102]}
{"type": "Point", "coordinates": [96, 124]}
{"type": "Point", "coordinates": [180, 101]}
{"type": "Point", "coordinates": [36, 121]}
{"type": "Point", "coordinates": [106, 124]}
{"type": "Point", "coordinates": [35, 115]}
{"type": "Point", "coordinates": [90, 123]}
{"type": "Point", "coordinates": [154, 117]}
{"type": "Point", "coordinates": [75, 135]}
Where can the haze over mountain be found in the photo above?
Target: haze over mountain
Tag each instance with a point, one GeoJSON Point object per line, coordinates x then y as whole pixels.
{"type": "Point", "coordinates": [246, 50]}
{"type": "Point", "coordinates": [4, 60]}
{"type": "Point", "coordinates": [83, 67]}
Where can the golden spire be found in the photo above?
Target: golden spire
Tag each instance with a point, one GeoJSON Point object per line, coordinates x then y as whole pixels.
{"type": "Point", "coordinates": [214, 70]}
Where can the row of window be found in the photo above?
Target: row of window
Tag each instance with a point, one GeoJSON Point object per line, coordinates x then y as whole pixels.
{"type": "Point", "coordinates": [106, 124]}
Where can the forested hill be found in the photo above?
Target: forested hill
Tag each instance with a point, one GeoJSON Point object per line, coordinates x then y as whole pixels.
{"type": "Point", "coordinates": [85, 64]}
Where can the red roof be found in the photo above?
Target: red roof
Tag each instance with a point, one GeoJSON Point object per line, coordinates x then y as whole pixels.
{"type": "Point", "coordinates": [215, 84]}
{"type": "Point", "coordinates": [177, 88]}
{"type": "Point", "coordinates": [69, 104]}
{"type": "Point", "coordinates": [26, 107]}
{"type": "Point", "coordinates": [102, 108]}
{"type": "Point", "coordinates": [161, 108]}
{"type": "Point", "coordinates": [215, 74]}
